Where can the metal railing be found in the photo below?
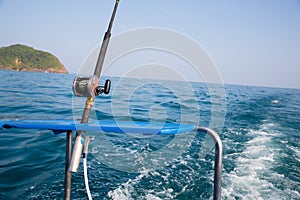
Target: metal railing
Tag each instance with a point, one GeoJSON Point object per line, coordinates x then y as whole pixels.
{"type": "Point", "coordinates": [218, 160]}
{"type": "Point", "coordinates": [217, 163]}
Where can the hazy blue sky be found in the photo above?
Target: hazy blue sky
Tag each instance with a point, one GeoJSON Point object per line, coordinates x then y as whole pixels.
{"type": "Point", "coordinates": [253, 42]}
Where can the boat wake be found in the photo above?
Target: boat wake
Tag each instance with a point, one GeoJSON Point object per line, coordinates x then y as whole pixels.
{"type": "Point", "coordinates": [255, 175]}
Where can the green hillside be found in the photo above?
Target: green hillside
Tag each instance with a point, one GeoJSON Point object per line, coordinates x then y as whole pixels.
{"type": "Point", "coordinates": [23, 58]}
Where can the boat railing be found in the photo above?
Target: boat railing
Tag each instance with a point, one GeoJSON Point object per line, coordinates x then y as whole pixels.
{"type": "Point", "coordinates": [68, 126]}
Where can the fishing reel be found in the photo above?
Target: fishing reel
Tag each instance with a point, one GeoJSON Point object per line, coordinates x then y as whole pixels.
{"type": "Point", "coordinates": [89, 86]}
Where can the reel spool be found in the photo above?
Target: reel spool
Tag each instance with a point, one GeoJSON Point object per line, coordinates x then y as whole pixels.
{"type": "Point", "coordinates": [89, 86]}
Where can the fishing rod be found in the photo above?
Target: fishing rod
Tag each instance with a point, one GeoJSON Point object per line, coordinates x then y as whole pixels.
{"type": "Point", "coordinates": [89, 87]}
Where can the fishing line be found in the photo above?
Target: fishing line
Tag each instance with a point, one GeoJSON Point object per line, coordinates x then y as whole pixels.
{"type": "Point", "coordinates": [84, 155]}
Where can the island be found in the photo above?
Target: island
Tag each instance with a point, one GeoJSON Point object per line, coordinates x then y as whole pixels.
{"type": "Point", "coordinates": [24, 58]}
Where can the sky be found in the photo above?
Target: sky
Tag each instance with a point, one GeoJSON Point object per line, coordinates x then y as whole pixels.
{"type": "Point", "coordinates": [251, 42]}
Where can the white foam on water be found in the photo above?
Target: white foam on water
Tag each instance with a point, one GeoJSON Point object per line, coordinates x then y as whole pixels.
{"type": "Point", "coordinates": [129, 189]}
{"type": "Point", "coordinates": [275, 101]}
{"type": "Point", "coordinates": [124, 191]}
{"type": "Point", "coordinates": [247, 180]}
{"type": "Point", "coordinates": [152, 197]}
{"type": "Point", "coordinates": [296, 152]}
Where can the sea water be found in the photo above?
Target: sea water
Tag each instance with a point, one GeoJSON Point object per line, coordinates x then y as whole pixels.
{"type": "Point", "coordinates": [260, 135]}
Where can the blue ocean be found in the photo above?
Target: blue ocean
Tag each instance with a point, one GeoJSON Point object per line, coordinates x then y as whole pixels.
{"type": "Point", "coordinates": [260, 134]}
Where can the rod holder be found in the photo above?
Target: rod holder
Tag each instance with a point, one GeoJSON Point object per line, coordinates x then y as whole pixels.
{"type": "Point", "coordinates": [77, 150]}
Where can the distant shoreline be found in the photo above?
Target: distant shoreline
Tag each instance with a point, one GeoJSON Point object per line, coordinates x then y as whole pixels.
{"type": "Point", "coordinates": [37, 70]}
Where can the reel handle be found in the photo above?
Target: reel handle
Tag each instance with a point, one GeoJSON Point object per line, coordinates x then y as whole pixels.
{"type": "Point", "coordinates": [103, 89]}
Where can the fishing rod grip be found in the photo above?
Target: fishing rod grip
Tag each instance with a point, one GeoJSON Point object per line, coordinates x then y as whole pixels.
{"type": "Point", "coordinates": [102, 54]}
{"type": "Point", "coordinates": [79, 141]}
